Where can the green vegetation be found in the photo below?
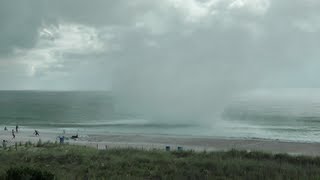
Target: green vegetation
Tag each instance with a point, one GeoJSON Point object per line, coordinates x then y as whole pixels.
{"type": "Point", "coordinates": [53, 161]}
{"type": "Point", "coordinates": [28, 173]}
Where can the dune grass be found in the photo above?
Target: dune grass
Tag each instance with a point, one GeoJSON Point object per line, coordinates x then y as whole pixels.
{"type": "Point", "coordinates": [53, 161]}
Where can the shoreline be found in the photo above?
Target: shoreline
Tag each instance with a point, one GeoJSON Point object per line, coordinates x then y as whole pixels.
{"type": "Point", "coordinates": [149, 142]}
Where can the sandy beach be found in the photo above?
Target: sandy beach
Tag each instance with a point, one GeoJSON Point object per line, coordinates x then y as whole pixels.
{"type": "Point", "coordinates": [148, 142]}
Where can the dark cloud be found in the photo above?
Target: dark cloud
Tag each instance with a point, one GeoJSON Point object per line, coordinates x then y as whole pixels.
{"type": "Point", "coordinates": [19, 22]}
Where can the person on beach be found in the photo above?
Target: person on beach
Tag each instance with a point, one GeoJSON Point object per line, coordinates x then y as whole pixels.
{"type": "Point", "coordinates": [17, 127]}
{"type": "Point", "coordinates": [4, 144]}
{"type": "Point", "coordinates": [36, 133]}
{"type": "Point", "coordinates": [13, 135]}
{"type": "Point", "coordinates": [5, 128]}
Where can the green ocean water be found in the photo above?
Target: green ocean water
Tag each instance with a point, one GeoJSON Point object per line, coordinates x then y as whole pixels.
{"type": "Point", "coordinates": [95, 112]}
{"type": "Point", "coordinates": [89, 112]}
{"type": "Point", "coordinates": [45, 107]}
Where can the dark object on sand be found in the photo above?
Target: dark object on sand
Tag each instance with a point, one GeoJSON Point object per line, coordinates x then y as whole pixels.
{"type": "Point", "coordinates": [180, 148]}
{"type": "Point", "coordinates": [167, 148]}
{"type": "Point", "coordinates": [5, 128]}
{"type": "Point", "coordinates": [36, 133]}
{"type": "Point", "coordinates": [75, 137]}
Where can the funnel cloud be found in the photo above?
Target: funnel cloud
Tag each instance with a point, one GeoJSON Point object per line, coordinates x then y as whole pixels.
{"type": "Point", "coordinates": [181, 60]}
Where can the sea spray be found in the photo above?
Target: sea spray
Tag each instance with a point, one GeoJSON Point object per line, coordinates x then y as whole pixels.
{"type": "Point", "coordinates": [177, 92]}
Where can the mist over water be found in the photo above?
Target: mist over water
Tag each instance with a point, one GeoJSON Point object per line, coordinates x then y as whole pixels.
{"type": "Point", "coordinates": [178, 91]}
{"type": "Point", "coordinates": [222, 99]}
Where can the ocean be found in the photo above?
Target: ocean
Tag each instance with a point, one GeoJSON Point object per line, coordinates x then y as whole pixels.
{"type": "Point", "coordinates": [95, 113]}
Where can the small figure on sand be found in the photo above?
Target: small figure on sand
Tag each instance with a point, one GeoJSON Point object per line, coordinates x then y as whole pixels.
{"type": "Point", "coordinates": [36, 133]}
{"type": "Point", "coordinates": [4, 144]}
{"type": "Point", "coordinates": [17, 128]}
{"type": "Point", "coordinates": [5, 128]}
{"type": "Point", "coordinates": [61, 139]}
{"type": "Point", "coordinates": [13, 135]}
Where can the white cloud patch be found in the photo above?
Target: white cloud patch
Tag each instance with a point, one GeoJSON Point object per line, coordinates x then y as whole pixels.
{"type": "Point", "coordinates": [193, 10]}
{"type": "Point", "coordinates": [48, 56]}
{"type": "Point", "coordinates": [59, 56]}
{"type": "Point", "coordinates": [310, 25]}
{"type": "Point", "coordinates": [258, 7]}
{"type": "Point", "coordinates": [154, 23]}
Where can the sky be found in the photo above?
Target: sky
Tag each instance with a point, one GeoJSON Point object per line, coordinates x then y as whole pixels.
{"type": "Point", "coordinates": [107, 44]}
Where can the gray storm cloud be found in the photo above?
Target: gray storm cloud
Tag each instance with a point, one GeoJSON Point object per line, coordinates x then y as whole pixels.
{"type": "Point", "coordinates": [19, 22]}
{"type": "Point", "coordinates": [168, 59]}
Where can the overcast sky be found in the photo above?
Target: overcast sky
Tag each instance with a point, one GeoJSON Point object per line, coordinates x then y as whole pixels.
{"type": "Point", "coordinates": [121, 45]}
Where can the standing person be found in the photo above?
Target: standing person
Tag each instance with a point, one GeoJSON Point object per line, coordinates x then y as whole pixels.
{"type": "Point", "coordinates": [5, 128]}
{"type": "Point", "coordinates": [13, 135]}
{"type": "Point", "coordinates": [17, 127]}
{"type": "Point", "coordinates": [4, 144]}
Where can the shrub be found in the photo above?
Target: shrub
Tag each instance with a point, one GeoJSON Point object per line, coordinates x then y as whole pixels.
{"type": "Point", "coordinates": [39, 143]}
{"type": "Point", "coordinates": [26, 173]}
{"type": "Point", "coordinates": [27, 144]}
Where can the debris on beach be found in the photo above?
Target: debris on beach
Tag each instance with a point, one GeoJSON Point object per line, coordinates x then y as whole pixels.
{"type": "Point", "coordinates": [75, 137]}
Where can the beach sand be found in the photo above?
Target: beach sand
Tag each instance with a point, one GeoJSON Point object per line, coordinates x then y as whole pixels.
{"type": "Point", "coordinates": [148, 142]}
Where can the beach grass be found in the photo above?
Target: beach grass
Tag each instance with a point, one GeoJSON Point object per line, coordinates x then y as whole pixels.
{"type": "Point", "coordinates": [54, 161]}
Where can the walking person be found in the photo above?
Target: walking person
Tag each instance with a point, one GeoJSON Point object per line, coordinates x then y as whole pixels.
{"type": "Point", "coordinates": [36, 133]}
{"type": "Point", "coordinates": [13, 135]}
{"type": "Point", "coordinates": [17, 127]}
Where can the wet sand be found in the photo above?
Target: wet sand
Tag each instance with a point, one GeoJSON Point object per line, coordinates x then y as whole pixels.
{"type": "Point", "coordinates": [140, 141]}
